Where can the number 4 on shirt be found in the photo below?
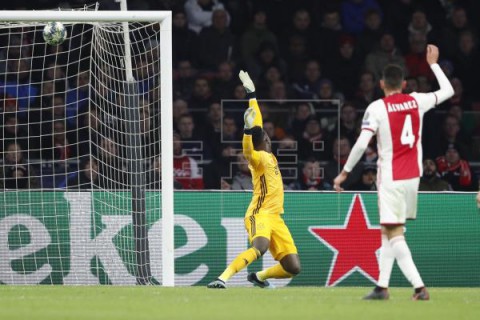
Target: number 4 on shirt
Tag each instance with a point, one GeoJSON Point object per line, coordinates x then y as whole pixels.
{"type": "Point", "coordinates": [407, 137]}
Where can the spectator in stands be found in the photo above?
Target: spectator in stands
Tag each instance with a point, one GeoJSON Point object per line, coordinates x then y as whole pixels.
{"type": "Point", "coordinates": [387, 53]}
{"type": "Point", "coordinates": [368, 179]}
{"type": "Point", "coordinates": [419, 25]}
{"type": "Point", "coordinates": [415, 60]}
{"type": "Point", "coordinates": [412, 85]}
{"type": "Point", "coordinates": [330, 32]}
{"type": "Point", "coordinates": [353, 12]}
{"type": "Point", "coordinates": [230, 132]}
{"type": "Point", "coordinates": [349, 124]}
{"type": "Point", "coordinates": [184, 40]}
{"type": "Point", "coordinates": [340, 150]}
{"type": "Point", "coordinates": [303, 112]}
{"type": "Point", "coordinates": [327, 93]}
{"type": "Point", "coordinates": [239, 92]}
{"type": "Point", "coordinates": [221, 167]}
{"type": "Point", "coordinates": [273, 132]}
{"type": "Point", "coordinates": [192, 140]}
{"type": "Point", "coordinates": [371, 34]}
{"type": "Point", "coordinates": [296, 57]}
{"type": "Point", "coordinates": [57, 145]}
{"type": "Point", "coordinates": [310, 178]}
{"type": "Point", "coordinates": [14, 132]}
{"type": "Point", "coordinates": [424, 85]}
{"type": "Point", "coordinates": [216, 43]}
{"type": "Point", "coordinates": [313, 142]}
{"type": "Point", "coordinates": [367, 90]}
{"type": "Point", "coordinates": [302, 27]}
{"type": "Point", "coordinates": [183, 80]}
{"type": "Point", "coordinates": [459, 97]}
{"type": "Point", "coordinates": [467, 122]}
{"type": "Point", "coordinates": [186, 169]}
{"type": "Point", "coordinates": [212, 131]}
{"type": "Point", "coordinates": [307, 87]}
{"type": "Point", "coordinates": [255, 35]}
{"type": "Point", "coordinates": [430, 181]}
{"type": "Point", "coordinates": [86, 177]}
{"type": "Point", "coordinates": [224, 82]}
{"type": "Point", "coordinates": [266, 56]}
{"type": "Point", "coordinates": [287, 158]}
{"type": "Point", "coordinates": [457, 24]}
{"type": "Point", "coordinates": [467, 63]}
{"type": "Point", "coordinates": [456, 171]}
{"type": "Point", "coordinates": [202, 97]}
{"type": "Point", "coordinates": [278, 92]}
{"type": "Point", "coordinates": [180, 107]}
{"type": "Point", "coordinates": [16, 173]}
{"type": "Point", "coordinates": [344, 69]}
{"type": "Point", "coordinates": [271, 75]}
{"type": "Point", "coordinates": [200, 12]}
{"type": "Point", "coordinates": [451, 135]}
{"type": "Point", "coordinates": [17, 84]}
{"type": "Point", "coordinates": [154, 178]}
{"type": "Point", "coordinates": [243, 178]}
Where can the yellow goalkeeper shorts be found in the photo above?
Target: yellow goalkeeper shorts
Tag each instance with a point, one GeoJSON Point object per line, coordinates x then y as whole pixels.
{"type": "Point", "coordinates": [272, 227]}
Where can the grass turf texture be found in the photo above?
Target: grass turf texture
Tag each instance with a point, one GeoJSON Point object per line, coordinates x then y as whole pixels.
{"type": "Point", "coordinates": [108, 302]}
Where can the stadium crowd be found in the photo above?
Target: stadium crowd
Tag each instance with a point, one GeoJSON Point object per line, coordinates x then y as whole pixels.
{"type": "Point", "coordinates": [316, 65]}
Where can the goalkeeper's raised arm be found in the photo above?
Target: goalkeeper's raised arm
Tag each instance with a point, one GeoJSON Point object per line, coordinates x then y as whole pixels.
{"type": "Point", "coordinates": [253, 138]}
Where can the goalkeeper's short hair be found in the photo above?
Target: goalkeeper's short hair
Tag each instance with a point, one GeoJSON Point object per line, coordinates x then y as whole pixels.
{"type": "Point", "coordinates": [257, 136]}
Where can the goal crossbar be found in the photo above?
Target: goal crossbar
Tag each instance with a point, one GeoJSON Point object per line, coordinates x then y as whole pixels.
{"type": "Point", "coordinates": [84, 16]}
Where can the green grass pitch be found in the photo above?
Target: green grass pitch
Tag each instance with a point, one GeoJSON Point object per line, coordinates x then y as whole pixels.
{"type": "Point", "coordinates": [295, 303]}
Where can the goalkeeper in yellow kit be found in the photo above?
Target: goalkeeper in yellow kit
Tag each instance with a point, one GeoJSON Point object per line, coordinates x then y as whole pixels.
{"type": "Point", "coordinates": [263, 221]}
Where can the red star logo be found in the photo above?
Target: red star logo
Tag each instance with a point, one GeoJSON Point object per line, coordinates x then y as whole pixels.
{"type": "Point", "coordinates": [354, 245]}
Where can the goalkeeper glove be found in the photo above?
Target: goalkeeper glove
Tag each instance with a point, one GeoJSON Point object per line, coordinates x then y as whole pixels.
{"type": "Point", "coordinates": [249, 117]}
{"type": "Point", "coordinates": [246, 81]}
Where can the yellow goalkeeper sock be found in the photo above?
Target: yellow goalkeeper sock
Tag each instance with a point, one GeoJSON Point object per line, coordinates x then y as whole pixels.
{"type": "Point", "coordinates": [240, 262]}
{"type": "Point", "coordinates": [276, 272]}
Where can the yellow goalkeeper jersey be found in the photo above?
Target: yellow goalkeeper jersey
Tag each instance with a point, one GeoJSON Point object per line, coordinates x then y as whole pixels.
{"type": "Point", "coordinates": [267, 179]}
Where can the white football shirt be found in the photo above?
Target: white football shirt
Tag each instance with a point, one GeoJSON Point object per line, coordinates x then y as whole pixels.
{"type": "Point", "coordinates": [397, 122]}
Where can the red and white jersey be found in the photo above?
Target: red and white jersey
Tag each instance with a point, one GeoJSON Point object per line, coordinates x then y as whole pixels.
{"type": "Point", "coordinates": [397, 122]}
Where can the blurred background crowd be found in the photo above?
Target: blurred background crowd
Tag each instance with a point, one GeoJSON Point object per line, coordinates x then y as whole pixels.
{"type": "Point", "coordinates": [316, 66]}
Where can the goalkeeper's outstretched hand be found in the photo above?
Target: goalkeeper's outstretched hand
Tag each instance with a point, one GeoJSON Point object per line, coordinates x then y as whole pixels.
{"type": "Point", "coordinates": [246, 81]}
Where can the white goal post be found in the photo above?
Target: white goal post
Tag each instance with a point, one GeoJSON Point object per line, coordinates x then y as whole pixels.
{"type": "Point", "coordinates": [164, 18]}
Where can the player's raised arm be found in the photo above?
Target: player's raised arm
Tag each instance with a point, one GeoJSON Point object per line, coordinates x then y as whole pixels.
{"type": "Point", "coordinates": [446, 90]}
{"type": "Point", "coordinates": [253, 120]}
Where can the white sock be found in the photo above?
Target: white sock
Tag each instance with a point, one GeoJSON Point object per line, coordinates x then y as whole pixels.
{"type": "Point", "coordinates": [385, 263]}
{"type": "Point", "coordinates": [405, 262]}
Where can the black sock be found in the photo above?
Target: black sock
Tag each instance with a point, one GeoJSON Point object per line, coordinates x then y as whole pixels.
{"type": "Point", "coordinates": [378, 289]}
{"type": "Point", "coordinates": [417, 290]}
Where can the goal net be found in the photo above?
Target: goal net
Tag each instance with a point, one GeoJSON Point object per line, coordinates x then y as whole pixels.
{"type": "Point", "coordinates": [84, 117]}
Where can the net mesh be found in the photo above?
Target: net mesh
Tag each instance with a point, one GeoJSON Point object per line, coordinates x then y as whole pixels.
{"type": "Point", "coordinates": [72, 121]}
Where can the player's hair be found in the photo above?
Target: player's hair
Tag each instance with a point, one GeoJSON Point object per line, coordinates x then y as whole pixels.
{"type": "Point", "coordinates": [393, 76]}
{"type": "Point", "coordinates": [257, 136]}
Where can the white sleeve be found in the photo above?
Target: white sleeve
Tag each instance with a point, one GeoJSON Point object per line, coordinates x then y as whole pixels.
{"type": "Point", "coordinates": [370, 119]}
{"type": "Point", "coordinates": [426, 101]}
{"type": "Point", "coordinates": [358, 149]}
